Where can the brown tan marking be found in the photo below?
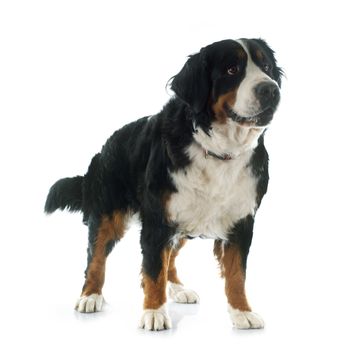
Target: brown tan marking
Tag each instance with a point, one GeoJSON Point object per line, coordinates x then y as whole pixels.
{"type": "Point", "coordinates": [155, 291]}
{"type": "Point", "coordinates": [172, 272]}
{"type": "Point", "coordinates": [230, 261]}
{"type": "Point", "coordinates": [219, 106]}
{"type": "Point", "coordinates": [111, 228]}
{"type": "Point", "coordinates": [241, 53]}
{"type": "Point", "coordinates": [259, 55]}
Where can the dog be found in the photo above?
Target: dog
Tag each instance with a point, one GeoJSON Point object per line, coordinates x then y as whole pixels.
{"type": "Point", "coordinates": [198, 168]}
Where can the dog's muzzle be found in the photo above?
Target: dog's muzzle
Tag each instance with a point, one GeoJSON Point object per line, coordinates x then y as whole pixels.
{"type": "Point", "coordinates": [268, 95]}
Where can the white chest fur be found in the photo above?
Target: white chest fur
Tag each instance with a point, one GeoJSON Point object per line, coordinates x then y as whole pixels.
{"type": "Point", "coordinates": [213, 194]}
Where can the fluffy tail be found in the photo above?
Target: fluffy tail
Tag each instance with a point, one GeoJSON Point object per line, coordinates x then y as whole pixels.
{"type": "Point", "coordinates": [65, 194]}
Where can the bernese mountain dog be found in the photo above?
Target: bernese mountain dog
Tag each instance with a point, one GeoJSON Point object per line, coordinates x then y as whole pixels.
{"type": "Point", "coordinates": [198, 168]}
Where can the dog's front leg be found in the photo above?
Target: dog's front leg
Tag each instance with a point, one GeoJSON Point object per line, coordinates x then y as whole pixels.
{"type": "Point", "coordinates": [232, 256]}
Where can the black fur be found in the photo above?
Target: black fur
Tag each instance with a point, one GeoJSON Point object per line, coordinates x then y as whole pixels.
{"type": "Point", "coordinates": [259, 164]}
{"type": "Point", "coordinates": [131, 173]}
{"type": "Point", "coordinates": [65, 194]}
{"type": "Point", "coordinates": [269, 57]}
{"type": "Point", "coordinates": [242, 235]}
{"type": "Point", "coordinates": [192, 84]}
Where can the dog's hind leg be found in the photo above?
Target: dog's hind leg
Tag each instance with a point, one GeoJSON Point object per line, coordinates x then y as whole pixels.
{"type": "Point", "coordinates": [177, 291]}
{"type": "Point", "coordinates": [103, 234]}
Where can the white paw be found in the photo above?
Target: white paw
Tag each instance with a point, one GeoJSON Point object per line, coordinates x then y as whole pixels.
{"type": "Point", "coordinates": [245, 319]}
{"type": "Point", "coordinates": [155, 320]}
{"type": "Point", "coordinates": [90, 303]}
{"type": "Point", "coordinates": [181, 295]}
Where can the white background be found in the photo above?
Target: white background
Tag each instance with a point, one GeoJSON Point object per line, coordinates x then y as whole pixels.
{"type": "Point", "coordinates": [72, 72]}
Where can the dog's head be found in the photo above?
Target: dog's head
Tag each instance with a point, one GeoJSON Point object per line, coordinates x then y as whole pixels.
{"type": "Point", "coordinates": [229, 79]}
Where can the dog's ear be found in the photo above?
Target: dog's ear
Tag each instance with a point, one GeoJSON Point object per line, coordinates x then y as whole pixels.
{"type": "Point", "coordinates": [192, 83]}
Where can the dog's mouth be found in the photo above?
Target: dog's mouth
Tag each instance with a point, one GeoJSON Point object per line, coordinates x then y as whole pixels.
{"type": "Point", "coordinates": [259, 120]}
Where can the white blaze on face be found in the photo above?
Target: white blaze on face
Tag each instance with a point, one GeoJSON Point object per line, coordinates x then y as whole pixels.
{"type": "Point", "coordinates": [247, 105]}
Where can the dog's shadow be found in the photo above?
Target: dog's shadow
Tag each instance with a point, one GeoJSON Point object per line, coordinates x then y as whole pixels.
{"type": "Point", "coordinates": [178, 311]}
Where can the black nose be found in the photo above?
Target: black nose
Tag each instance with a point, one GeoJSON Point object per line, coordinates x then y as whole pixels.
{"type": "Point", "coordinates": [268, 94]}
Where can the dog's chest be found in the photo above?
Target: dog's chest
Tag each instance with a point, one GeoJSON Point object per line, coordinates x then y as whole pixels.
{"type": "Point", "coordinates": [212, 195]}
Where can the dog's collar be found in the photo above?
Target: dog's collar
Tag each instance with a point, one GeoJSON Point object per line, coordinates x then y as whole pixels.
{"type": "Point", "coordinates": [208, 153]}
{"type": "Point", "coordinates": [225, 156]}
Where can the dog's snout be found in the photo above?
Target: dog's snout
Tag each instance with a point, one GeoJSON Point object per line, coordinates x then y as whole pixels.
{"type": "Point", "coordinates": [268, 94]}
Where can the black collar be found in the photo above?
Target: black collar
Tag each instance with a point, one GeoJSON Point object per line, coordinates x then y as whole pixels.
{"type": "Point", "coordinates": [207, 153]}
{"type": "Point", "coordinates": [225, 156]}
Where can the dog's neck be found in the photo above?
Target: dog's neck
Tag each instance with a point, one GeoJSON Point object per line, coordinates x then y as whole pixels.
{"type": "Point", "coordinates": [228, 139]}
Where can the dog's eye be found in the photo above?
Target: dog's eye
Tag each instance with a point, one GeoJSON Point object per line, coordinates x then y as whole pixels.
{"type": "Point", "coordinates": [266, 67]}
{"type": "Point", "coordinates": [233, 70]}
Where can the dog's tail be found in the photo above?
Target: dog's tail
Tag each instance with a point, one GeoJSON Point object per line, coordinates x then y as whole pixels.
{"type": "Point", "coordinates": [66, 193]}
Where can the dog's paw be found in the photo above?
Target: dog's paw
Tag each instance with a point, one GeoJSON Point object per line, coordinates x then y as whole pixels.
{"type": "Point", "coordinates": [181, 295]}
{"type": "Point", "coordinates": [245, 319]}
{"type": "Point", "coordinates": [155, 319]}
{"type": "Point", "coordinates": [89, 303]}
